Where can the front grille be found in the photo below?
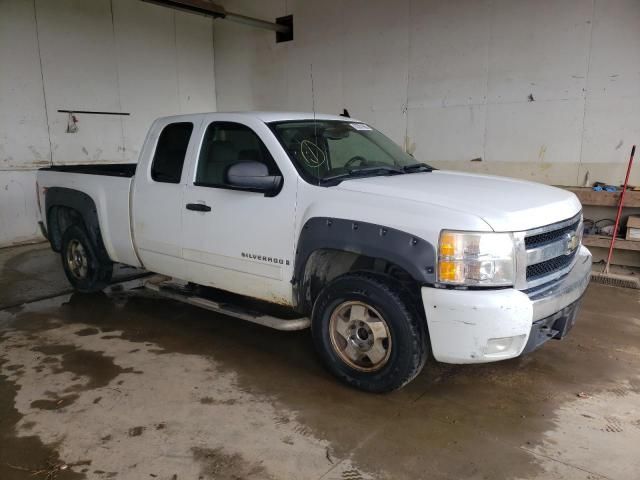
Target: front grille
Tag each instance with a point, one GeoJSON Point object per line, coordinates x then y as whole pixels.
{"type": "Point", "coordinates": [540, 239]}
{"type": "Point", "coordinates": [546, 252]}
{"type": "Point", "coordinates": [548, 267]}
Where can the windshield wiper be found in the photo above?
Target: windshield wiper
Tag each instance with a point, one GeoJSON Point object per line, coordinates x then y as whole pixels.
{"type": "Point", "coordinates": [417, 167]}
{"type": "Point", "coordinates": [356, 172]}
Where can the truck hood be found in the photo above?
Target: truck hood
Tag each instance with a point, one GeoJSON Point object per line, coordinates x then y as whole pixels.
{"type": "Point", "coordinates": [506, 204]}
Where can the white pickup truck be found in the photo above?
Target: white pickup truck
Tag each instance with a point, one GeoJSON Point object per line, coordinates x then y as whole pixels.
{"type": "Point", "coordinates": [388, 260]}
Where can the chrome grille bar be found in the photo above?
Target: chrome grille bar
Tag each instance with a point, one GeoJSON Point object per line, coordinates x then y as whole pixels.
{"type": "Point", "coordinates": [547, 252]}
{"type": "Point", "coordinates": [544, 244]}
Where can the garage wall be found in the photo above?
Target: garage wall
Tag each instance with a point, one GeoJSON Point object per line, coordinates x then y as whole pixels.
{"type": "Point", "coordinates": [99, 55]}
{"type": "Point", "coordinates": [547, 90]}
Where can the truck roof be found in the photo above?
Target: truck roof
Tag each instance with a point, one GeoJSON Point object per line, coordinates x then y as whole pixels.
{"type": "Point", "coordinates": [272, 116]}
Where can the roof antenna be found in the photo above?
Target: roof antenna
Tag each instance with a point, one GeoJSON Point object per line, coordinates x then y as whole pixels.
{"type": "Point", "coordinates": [345, 113]}
{"type": "Point", "coordinates": [313, 98]}
{"type": "Point", "coordinates": [313, 108]}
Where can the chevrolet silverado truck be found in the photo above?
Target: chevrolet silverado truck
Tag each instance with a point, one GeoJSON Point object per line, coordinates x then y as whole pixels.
{"type": "Point", "coordinates": [389, 261]}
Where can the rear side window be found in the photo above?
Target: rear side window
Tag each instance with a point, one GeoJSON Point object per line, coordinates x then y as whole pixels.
{"type": "Point", "coordinates": [170, 152]}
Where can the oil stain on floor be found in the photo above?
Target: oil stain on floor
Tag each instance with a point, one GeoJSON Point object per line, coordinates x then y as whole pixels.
{"type": "Point", "coordinates": [131, 386]}
{"type": "Point", "coordinates": [101, 401]}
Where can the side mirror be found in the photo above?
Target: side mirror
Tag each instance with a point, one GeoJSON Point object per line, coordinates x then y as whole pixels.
{"type": "Point", "coordinates": [254, 176]}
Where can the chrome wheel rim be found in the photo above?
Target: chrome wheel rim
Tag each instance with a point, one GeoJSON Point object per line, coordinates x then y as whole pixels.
{"type": "Point", "coordinates": [360, 336]}
{"type": "Point", "coordinates": [77, 261]}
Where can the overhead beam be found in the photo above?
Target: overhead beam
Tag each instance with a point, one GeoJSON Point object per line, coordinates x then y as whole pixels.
{"type": "Point", "coordinates": [210, 9]}
{"type": "Point", "coordinates": [202, 7]}
{"type": "Point", "coordinates": [256, 22]}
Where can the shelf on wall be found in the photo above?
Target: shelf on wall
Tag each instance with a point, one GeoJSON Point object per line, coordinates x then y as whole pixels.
{"type": "Point", "coordinates": [604, 241]}
{"type": "Point", "coordinates": [588, 196]}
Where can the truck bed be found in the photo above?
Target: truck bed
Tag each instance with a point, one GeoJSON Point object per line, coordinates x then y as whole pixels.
{"type": "Point", "coordinates": [109, 187]}
{"type": "Point", "coordinates": [106, 169]}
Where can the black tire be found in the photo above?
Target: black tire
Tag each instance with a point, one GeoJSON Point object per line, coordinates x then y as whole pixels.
{"type": "Point", "coordinates": [89, 272]}
{"type": "Point", "coordinates": [408, 349]}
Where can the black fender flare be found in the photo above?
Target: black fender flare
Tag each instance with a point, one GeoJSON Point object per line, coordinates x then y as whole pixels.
{"type": "Point", "coordinates": [81, 203]}
{"type": "Point", "coordinates": [410, 252]}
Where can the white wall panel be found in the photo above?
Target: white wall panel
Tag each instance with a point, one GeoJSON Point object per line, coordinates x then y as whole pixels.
{"type": "Point", "coordinates": [448, 53]}
{"type": "Point", "coordinates": [615, 54]}
{"type": "Point", "coordinates": [233, 48]}
{"type": "Point", "coordinates": [164, 64]}
{"type": "Point", "coordinates": [24, 141]}
{"type": "Point", "coordinates": [18, 209]}
{"type": "Point", "coordinates": [539, 48]}
{"type": "Point", "coordinates": [324, 48]}
{"type": "Point", "coordinates": [375, 75]}
{"type": "Point", "coordinates": [534, 132]}
{"type": "Point", "coordinates": [101, 55]}
{"type": "Point", "coordinates": [612, 115]}
{"type": "Point", "coordinates": [611, 126]}
{"type": "Point", "coordinates": [194, 62]}
{"type": "Point", "coordinates": [147, 69]}
{"type": "Point", "coordinates": [79, 68]}
{"type": "Point", "coordinates": [258, 77]}
{"type": "Point", "coordinates": [544, 90]}
{"type": "Point", "coordinates": [447, 134]}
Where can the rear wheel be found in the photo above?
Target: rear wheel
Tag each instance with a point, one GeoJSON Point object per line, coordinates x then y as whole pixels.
{"type": "Point", "coordinates": [369, 333]}
{"type": "Point", "coordinates": [85, 270]}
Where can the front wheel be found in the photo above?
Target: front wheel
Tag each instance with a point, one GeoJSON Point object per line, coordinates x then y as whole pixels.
{"type": "Point", "coordinates": [368, 332]}
{"type": "Point", "coordinates": [85, 270]}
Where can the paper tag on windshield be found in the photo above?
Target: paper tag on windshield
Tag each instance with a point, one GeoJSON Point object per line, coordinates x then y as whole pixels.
{"type": "Point", "coordinates": [360, 126]}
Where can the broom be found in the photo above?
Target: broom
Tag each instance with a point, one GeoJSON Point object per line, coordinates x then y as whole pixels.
{"type": "Point", "coordinates": [605, 277]}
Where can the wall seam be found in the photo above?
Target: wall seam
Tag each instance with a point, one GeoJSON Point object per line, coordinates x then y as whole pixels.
{"type": "Point", "coordinates": [116, 50]}
{"type": "Point", "coordinates": [287, 52]}
{"type": "Point", "coordinates": [175, 47]}
{"type": "Point", "coordinates": [343, 32]}
{"type": "Point", "coordinates": [585, 89]}
{"type": "Point", "coordinates": [213, 64]}
{"type": "Point", "coordinates": [406, 100]}
{"type": "Point", "coordinates": [44, 91]}
{"type": "Point", "coordinates": [486, 85]}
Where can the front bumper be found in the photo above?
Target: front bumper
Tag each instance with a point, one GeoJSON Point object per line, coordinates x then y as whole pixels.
{"type": "Point", "coordinates": [477, 326]}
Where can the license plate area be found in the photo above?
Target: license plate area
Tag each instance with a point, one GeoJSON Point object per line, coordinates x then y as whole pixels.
{"type": "Point", "coordinates": [567, 319]}
{"type": "Point", "coordinates": [556, 327]}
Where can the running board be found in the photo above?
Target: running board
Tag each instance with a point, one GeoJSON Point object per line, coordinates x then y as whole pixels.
{"type": "Point", "coordinates": [159, 285]}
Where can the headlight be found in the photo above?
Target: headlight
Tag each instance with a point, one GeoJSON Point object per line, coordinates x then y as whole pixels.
{"type": "Point", "coordinates": [474, 258]}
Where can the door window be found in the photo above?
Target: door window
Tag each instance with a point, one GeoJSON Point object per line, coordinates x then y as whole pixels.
{"type": "Point", "coordinates": [225, 144]}
{"type": "Point", "coordinates": [170, 152]}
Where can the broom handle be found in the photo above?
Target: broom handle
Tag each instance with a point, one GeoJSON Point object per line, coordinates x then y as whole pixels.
{"type": "Point", "coordinates": [619, 214]}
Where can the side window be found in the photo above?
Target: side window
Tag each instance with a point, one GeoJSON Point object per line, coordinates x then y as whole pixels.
{"type": "Point", "coordinates": [224, 144]}
{"type": "Point", "coordinates": [170, 152]}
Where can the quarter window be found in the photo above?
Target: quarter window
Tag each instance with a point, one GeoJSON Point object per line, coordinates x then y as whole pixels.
{"type": "Point", "coordinates": [170, 152]}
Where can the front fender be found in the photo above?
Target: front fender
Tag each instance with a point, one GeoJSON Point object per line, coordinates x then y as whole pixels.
{"type": "Point", "coordinates": [415, 255]}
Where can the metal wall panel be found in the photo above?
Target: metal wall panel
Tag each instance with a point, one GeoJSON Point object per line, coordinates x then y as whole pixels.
{"type": "Point", "coordinates": [98, 55]}
{"type": "Point", "coordinates": [546, 90]}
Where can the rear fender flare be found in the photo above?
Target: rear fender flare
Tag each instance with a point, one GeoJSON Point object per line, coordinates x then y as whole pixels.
{"type": "Point", "coordinates": [78, 201]}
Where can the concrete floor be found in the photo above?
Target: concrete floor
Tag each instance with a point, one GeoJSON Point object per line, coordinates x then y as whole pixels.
{"type": "Point", "coordinates": [130, 386]}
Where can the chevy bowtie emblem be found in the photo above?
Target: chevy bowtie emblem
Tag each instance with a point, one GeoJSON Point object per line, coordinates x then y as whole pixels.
{"type": "Point", "coordinates": [572, 243]}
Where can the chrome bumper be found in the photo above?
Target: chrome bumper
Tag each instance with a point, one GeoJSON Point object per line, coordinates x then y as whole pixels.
{"type": "Point", "coordinates": [565, 292]}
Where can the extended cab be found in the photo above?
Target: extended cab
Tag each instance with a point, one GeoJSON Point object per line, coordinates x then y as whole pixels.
{"type": "Point", "coordinates": [388, 260]}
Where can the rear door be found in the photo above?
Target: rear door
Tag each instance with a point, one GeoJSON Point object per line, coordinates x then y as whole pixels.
{"type": "Point", "coordinates": [158, 191]}
{"type": "Point", "coordinates": [240, 241]}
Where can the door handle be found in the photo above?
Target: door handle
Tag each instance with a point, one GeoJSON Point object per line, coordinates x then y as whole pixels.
{"type": "Point", "coordinates": [198, 207]}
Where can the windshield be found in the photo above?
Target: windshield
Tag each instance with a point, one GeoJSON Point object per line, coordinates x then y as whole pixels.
{"type": "Point", "coordinates": [328, 151]}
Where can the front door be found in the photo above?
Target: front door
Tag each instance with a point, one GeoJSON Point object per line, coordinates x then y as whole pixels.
{"type": "Point", "coordinates": [238, 240]}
